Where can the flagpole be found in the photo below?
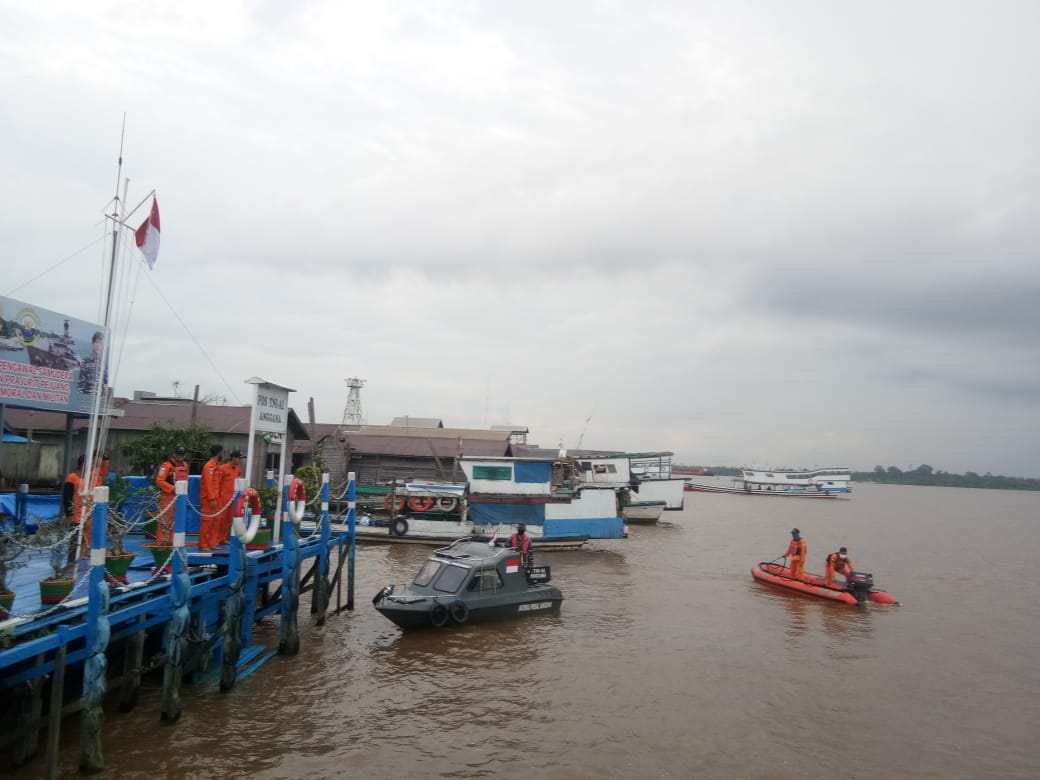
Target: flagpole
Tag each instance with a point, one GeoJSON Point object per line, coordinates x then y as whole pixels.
{"type": "Point", "coordinates": [86, 484]}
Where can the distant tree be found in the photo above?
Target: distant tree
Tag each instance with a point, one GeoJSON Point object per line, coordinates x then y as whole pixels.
{"type": "Point", "coordinates": [924, 468]}
{"type": "Point", "coordinates": [894, 471]}
{"type": "Point", "coordinates": [879, 470]}
{"type": "Point", "coordinates": [147, 452]}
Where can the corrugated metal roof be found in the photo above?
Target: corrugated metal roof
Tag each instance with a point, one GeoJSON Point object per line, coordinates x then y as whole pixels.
{"type": "Point", "coordinates": [144, 415]}
{"type": "Point", "coordinates": [417, 422]}
{"type": "Point", "coordinates": [524, 451]}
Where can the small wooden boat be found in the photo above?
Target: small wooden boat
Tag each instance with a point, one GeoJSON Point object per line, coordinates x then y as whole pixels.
{"type": "Point", "coordinates": [643, 512]}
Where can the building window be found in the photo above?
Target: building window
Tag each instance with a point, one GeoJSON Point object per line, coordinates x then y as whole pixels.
{"type": "Point", "coordinates": [493, 472]}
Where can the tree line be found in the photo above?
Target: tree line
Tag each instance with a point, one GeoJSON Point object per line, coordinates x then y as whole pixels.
{"type": "Point", "coordinates": [926, 475]}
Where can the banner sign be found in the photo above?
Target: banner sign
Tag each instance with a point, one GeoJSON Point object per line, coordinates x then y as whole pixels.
{"type": "Point", "coordinates": [48, 360]}
{"type": "Point", "coordinates": [271, 411]}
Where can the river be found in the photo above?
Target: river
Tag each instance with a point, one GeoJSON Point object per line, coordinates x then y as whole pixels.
{"type": "Point", "coordinates": [667, 660]}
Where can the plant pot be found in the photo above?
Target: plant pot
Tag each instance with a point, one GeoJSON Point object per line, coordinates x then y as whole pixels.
{"type": "Point", "coordinates": [117, 565]}
{"type": "Point", "coordinates": [261, 541]}
{"type": "Point", "coordinates": [160, 552]}
{"type": "Point", "coordinates": [54, 589]}
{"type": "Point", "coordinates": [6, 602]}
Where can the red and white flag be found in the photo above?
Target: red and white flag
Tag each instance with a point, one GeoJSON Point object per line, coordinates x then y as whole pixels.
{"type": "Point", "coordinates": [148, 235]}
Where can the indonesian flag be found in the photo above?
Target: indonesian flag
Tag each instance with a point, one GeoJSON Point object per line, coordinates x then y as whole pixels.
{"type": "Point", "coordinates": [513, 566]}
{"type": "Point", "coordinates": [148, 235]}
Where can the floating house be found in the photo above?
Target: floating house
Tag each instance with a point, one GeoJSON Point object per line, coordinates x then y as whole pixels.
{"type": "Point", "coordinates": [546, 494]}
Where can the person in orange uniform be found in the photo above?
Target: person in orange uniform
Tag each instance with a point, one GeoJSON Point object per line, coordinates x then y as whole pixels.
{"type": "Point", "coordinates": [796, 552]}
{"type": "Point", "coordinates": [71, 501]}
{"type": "Point", "coordinates": [521, 542]}
{"type": "Point", "coordinates": [209, 495]}
{"type": "Point", "coordinates": [173, 469]}
{"type": "Point", "coordinates": [837, 562]}
{"type": "Point", "coordinates": [230, 470]}
{"type": "Point", "coordinates": [83, 505]}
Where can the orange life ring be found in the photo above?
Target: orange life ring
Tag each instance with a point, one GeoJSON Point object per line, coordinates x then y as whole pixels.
{"type": "Point", "coordinates": [420, 503]}
{"type": "Point", "coordinates": [390, 500]}
{"type": "Point", "coordinates": [250, 495]}
{"type": "Point", "coordinates": [297, 490]}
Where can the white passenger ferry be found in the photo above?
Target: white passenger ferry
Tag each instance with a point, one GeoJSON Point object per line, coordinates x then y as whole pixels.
{"type": "Point", "coordinates": [832, 481]}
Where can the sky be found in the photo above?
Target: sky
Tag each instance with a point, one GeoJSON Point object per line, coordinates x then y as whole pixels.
{"type": "Point", "coordinates": [797, 233]}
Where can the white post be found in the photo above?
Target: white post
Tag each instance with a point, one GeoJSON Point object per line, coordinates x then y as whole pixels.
{"type": "Point", "coordinates": [277, 534]}
{"type": "Point", "coordinates": [248, 473]}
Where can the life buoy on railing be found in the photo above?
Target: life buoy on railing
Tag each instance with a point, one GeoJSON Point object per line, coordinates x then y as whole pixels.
{"type": "Point", "coordinates": [420, 503]}
{"type": "Point", "coordinates": [447, 503]}
{"type": "Point", "coordinates": [297, 500]}
{"type": "Point", "coordinates": [245, 532]}
{"type": "Point", "coordinates": [391, 500]}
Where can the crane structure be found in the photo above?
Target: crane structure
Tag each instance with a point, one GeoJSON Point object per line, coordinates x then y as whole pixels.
{"type": "Point", "coordinates": [352, 413]}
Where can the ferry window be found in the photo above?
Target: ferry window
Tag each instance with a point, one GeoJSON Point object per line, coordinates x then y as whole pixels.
{"type": "Point", "coordinates": [493, 472]}
{"type": "Point", "coordinates": [600, 469]}
{"type": "Point", "coordinates": [451, 578]}
{"type": "Point", "coordinates": [426, 573]}
{"type": "Point", "coordinates": [586, 466]}
{"type": "Point", "coordinates": [485, 579]}
{"type": "Point", "coordinates": [769, 475]}
{"type": "Point", "coordinates": [611, 469]}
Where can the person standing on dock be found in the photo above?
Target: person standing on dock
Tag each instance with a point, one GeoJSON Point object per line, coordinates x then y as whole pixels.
{"type": "Point", "coordinates": [210, 516]}
{"type": "Point", "coordinates": [837, 562]}
{"type": "Point", "coordinates": [796, 552]}
{"type": "Point", "coordinates": [229, 471]}
{"type": "Point", "coordinates": [173, 469]}
{"type": "Point", "coordinates": [83, 503]}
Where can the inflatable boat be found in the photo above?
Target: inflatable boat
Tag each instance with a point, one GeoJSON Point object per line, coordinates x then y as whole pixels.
{"type": "Point", "coordinates": [858, 589]}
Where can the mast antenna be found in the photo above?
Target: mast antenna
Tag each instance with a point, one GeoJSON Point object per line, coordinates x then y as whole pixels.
{"type": "Point", "coordinates": [352, 412]}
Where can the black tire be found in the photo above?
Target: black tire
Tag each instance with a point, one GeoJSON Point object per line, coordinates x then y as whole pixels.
{"type": "Point", "coordinates": [400, 527]}
{"type": "Point", "coordinates": [459, 612]}
{"type": "Point", "coordinates": [439, 615]}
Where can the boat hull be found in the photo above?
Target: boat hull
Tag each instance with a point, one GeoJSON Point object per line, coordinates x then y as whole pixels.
{"type": "Point", "coordinates": [643, 513]}
{"type": "Point", "coordinates": [418, 616]}
{"type": "Point", "coordinates": [813, 585]}
{"type": "Point", "coordinates": [700, 488]}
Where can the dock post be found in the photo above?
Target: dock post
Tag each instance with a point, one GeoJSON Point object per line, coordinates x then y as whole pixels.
{"type": "Point", "coordinates": [288, 631]}
{"type": "Point", "coordinates": [233, 605]}
{"type": "Point", "coordinates": [57, 702]}
{"type": "Point", "coordinates": [321, 583]}
{"type": "Point", "coordinates": [95, 667]}
{"type": "Point", "coordinates": [175, 639]}
{"type": "Point", "coordinates": [351, 526]}
{"type": "Point", "coordinates": [21, 504]}
{"type": "Point", "coordinates": [133, 657]}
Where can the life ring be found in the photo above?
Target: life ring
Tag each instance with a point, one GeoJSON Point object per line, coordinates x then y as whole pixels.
{"type": "Point", "coordinates": [459, 612]}
{"type": "Point", "coordinates": [249, 497]}
{"type": "Point", "coordinates": [400, 527]}
{"type": "Point", "coordinates": [439, 615]}
{"type": "Point", "coordinates": [420, 503]}
{"type": "Point", "coordinates": [390, 500]}
{"type": "Point", "coordinates": [297, 490]}
{"type": "Point", "coordinates": [447, 504]}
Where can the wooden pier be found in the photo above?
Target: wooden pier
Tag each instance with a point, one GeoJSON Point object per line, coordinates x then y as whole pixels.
{"type": "Point", "coordinates": [194, 622]}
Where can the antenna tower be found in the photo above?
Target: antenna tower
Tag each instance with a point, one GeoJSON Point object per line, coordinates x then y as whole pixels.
{"type": "Point", "coordinates": [352, 414]}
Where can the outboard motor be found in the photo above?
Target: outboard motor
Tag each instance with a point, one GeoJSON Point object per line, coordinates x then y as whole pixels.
{"type": "Point", "coordinates": [859, 584]}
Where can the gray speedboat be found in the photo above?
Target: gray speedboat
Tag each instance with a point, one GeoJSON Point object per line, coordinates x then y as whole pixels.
{"type": "Point", "coordinates": [470, 581]}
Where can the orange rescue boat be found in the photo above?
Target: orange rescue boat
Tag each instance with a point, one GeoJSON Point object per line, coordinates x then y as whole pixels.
{"type": "Point", "coordinates": [858, 589]}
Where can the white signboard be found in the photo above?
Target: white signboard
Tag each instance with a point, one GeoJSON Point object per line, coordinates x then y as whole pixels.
{"type": "Point", "coordinates": [271, 411]}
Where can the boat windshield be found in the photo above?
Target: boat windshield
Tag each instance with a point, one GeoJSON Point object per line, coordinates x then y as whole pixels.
{"type": "Point", "coordinates": [451, 578]}
{"type": "Point", "coordinates": [427, 573]}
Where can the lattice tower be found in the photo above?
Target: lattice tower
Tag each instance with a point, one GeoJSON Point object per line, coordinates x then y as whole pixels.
{"type": "Point", "coordinates": [352, 413]}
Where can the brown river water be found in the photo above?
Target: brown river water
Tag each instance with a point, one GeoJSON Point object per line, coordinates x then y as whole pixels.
{"type": "Point", "coordinates": [667, 660]}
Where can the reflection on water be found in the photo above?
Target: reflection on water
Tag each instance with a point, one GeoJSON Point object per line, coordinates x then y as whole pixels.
{"type": "Point", "coordinates": [667, 660]}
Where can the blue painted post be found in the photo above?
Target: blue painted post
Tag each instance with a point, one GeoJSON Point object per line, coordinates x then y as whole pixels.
{"type": "Point", "coordinates": [288, 632]}
{"type": "Point", "coordinates": [321, 584]}
{"type": "Point", "coordinates": [351, 526]}
{"type": "Point", "coordinates": [175, 639]}
{"type": "Point", "coordinates": [233, 606]}
{"type": "Point", "coordinates": [96, 665]}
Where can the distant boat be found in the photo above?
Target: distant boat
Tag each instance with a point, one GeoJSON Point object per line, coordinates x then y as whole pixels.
{"type": "Point", "coordinates": [643, 512]}
{"type": "Point", "coordinates": [830, 482]}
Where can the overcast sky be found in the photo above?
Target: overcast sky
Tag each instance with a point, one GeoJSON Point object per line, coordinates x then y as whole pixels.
{"type": "Point", "coordinates": [775, 233]}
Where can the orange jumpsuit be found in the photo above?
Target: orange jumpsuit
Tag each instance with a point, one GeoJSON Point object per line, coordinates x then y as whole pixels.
{"type": "Point", "coordinates": [229, 472]}
{"type": "Point", "coordinates": [169, 472]}
{"type": "Point", "coordinates": [209, 495]}
{"type": "Point", "coordinates": [86, 504]}
{"type": "Point", "coordinates": [835, 563]}
{"type": "Point", "coordinates": [796, 552]}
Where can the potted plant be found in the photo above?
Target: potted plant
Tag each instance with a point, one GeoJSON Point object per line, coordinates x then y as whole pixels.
{"type": "Point", "coordinates": [55, 536]}
{"type": "Point", "coordinates": [120, 521]}
{"type": "Point", "coordinates": [10, 548]}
